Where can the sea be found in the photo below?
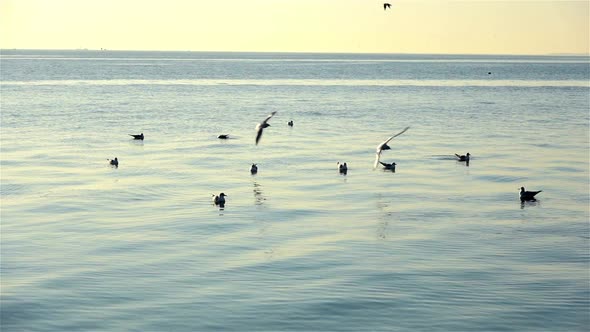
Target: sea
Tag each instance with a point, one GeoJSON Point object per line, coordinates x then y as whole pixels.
{"type": "Point", "coordinates": [437, 245]}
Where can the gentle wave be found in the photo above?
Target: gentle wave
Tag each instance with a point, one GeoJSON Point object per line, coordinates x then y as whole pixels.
{"type": "Point", "coordinates": [308, 82]}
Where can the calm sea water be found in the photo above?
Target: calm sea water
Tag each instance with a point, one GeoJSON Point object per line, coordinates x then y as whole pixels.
{"type": "Point", "coordinates": [436, 246]}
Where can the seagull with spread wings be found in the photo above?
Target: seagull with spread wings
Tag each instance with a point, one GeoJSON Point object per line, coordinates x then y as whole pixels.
{"type": "Point", "coordinates": [384, 146]}
{"type": "Point", "coordinates": [262, 125]}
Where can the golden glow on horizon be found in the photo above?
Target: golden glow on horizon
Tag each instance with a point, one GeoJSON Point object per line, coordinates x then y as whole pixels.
{"type": "Point", "coordinates": [411, 26]}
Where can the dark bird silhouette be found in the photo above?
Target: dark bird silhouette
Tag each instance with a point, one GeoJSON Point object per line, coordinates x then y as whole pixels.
{"type": "Point", "coordinates": [386, 5]}
{"type": "Point", "coordinates": [388, 166]}
{"type": "Point", "coordinates": [219, 199]}
{"type": "Point", "coordinates": [290, 123]}
{"type": "Point", "coordinates": [260, 127]}
{"type": "Point", "coordinates": [342, 168]}
{"type": "Point", "coordinates": [254, 169]}
{"type": "Point", "coordinates": [224, 136]}
{"type": "Point", "coordinates": [140, 136]}
{"type": "Point", "coordinates": [528, 195]}
{"type": "Point", "coordinates": [463, 157]}
{"type": "Point", "coordinates": [114, 162]}
{"type": "Point", "coordinates": [384, 146]}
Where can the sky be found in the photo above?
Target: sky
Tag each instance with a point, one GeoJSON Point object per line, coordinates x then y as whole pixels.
{"type": "Point", "coordinates": [357, 26]}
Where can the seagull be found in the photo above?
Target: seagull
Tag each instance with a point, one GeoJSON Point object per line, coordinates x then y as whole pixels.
{"type": "Point", "coordinates": [262, 125]}
{"type": "Point", "coordinates": [386, 5]}
{"type": "Point", "coordinates": [384, 146]}
{"type": "Point", "coordinates": [224, 136]}
{"type": "Point", "coordinates": [342, 168]}
{"type": "Point", "coordinates": [254, 169]}
{"type": "Point", "coordinates": [219, 200]}
{"type": "Point", "coordinates": [114, 162]}
{"type": "Point", "coordinates": [464, 157]}
{"type": "Point", "coordinates": [290, 123]}
{"type": "Point", "coordinates": [388, 166]}
{"type": "Point", "coordinates": [140, 136]}
{"type": "Point", "coordinates": [528, 195]}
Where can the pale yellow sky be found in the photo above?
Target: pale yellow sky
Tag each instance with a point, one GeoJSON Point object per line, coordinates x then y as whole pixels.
{"type": "Point", "coordinates": [411, 26]}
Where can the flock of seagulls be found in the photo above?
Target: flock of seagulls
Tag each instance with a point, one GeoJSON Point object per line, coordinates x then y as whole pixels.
{"type": "Point", "coordinates": [342, 167]}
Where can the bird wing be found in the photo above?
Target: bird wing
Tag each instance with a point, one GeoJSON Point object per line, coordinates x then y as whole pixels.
{"type": "Point", "coordinates": [380, 146]}
{"type": "Point", "coordinates": [258, 133]}
{"type": "Point", "coordinates": [377, 156]}
{"type": "Point", "coordinates": [384, 164]}
{"type": "Point", "coordinates": [270, 116]}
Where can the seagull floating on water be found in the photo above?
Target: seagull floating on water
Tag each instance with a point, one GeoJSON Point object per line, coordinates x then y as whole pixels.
{"type": "Point", "coordinates": [388, 166]}
{"type": "Point", "coordinates": [114, 162]}
{"type": "Point", "coordinates": [224, 136]}
{"type": "Point", "coordinates": [528, 195]}
{"type": "Point", "coordinates": [254, 169]}
{"type": "Point", "coordinates": [384, 146]}
{"type": "Point", "coordinates": [342, 168]}
{"type": "Point", "coordinates": [463, 157]}
{"type": "Point", "coordinates": [386, 5]}
{"type": "Point", "coordinates": [262, 125]}
{"type": "Point", "coordinates": [219, 199]}
{"type": "Point", "coordinates": [140, 136]}
{"type": "Point", "coordinates": [290, 123]}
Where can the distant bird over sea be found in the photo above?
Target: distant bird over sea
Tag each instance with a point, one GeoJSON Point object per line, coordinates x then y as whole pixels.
{"type": "Point", "coordinates": [463, 157]}
{"type": "Point", "coordinates": [342, 168]}
{"type": "Point", "coordinates": [223, 136]}
{"type": "Point", "coordinates": [254, 169]}
{"type": "Point", "coordinates": [140, 136]}
{"type": "Point", "coordinates": [114, 162]}
{"type": "Point", "coordinates": [384, 146]}
{"type": "Point", "coordinates": [260, 127]}
{"type": "Point", "coordinates": [387, 166]}
{"type": "Point", "coordinates": [528, 195]}
{"type": "Point", "coordinates": [386, 5]}
{"type": "Point", "coordinates": [219, 199]}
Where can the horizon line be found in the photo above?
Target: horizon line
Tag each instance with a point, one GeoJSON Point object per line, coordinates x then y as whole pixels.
{"type": "Point", "coordinates": [289, 52]}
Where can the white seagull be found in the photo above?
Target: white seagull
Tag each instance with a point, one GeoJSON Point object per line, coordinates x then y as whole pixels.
{"type": "Point", "coordinates": [384, 146]}
{"type": "Point", "coordinates": [262, 125]}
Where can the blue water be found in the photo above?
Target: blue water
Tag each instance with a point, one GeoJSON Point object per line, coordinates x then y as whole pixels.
{"type": "Point", "coordinates": [436, 246]}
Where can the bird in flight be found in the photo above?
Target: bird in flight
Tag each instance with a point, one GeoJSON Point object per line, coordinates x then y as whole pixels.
{"type": "Point", "coordinates": [384, 146]}
{"type": "Point", "coordinates": [262, 125]}
{"type": "Point", "coordinates": [386, 5]}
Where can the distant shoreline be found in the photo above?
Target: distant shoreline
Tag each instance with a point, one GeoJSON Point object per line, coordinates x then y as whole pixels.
{"type": "Point", "coordinates": [292, 52]}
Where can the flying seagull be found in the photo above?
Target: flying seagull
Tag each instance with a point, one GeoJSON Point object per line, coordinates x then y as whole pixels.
{"type": "Point", "coordinates": [386, 5]}
{"type": "Point", "coordinates": [528, 195]}
{"type": "Point", "coordinates": [262, 125]}
{"type": "Point", "coordinates": [384, 146]}
{"type": "Point", "coordinates": [140, 136]}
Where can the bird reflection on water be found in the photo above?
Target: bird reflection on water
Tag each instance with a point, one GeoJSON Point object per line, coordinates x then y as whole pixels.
{"type": "Point", "coordinates": [258, 196]}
